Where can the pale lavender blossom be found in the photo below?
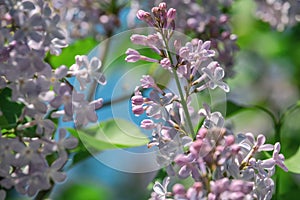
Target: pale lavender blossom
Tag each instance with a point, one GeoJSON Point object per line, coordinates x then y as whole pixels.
{"type": "Point", "coordinates": [86, 71]}
{"type": "Point", "coordinates": [211, 119]}
{"type": "Point", "coordinates": [161, 189]}
{"type": "Point", "coordinates": [215, 78]}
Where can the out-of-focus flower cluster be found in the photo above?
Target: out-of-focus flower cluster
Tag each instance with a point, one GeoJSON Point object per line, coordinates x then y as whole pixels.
{"type": "Point", "coordinates": [29, 30]}
{"type": "Point", "coordinates": [279, 14]}
{"type": "Point", "coordinates": [208, 20]}
{"type": "Point", "coordinates": [89, 17]}
{"type": "Point", "coordinates": [222, 165]}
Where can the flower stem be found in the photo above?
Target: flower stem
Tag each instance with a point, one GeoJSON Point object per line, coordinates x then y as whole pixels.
{"type": "Point", "coordinates": [183, 100]}
{"type": "Point", "coordinates": [184, 104]}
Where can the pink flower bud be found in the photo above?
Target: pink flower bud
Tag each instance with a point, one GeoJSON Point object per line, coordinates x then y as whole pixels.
{"type": "Point", "coordinates": [141, 14]}
{"type": "Point", "coordinates": [138, 110]}
{"type": "Point", "coordinates": [139, 39]}
{"type": "Point", "coordinates": [132, 55]}
{"type": "Point", "coordinates": [178, 189]}
{"type": "Point", "coordinates": [229, 140]}
{"type": "Point", "coordinates": [162, 6]}
{"type": "Point", "coordinates": [147, 124]}
{"type": "Point", "coordinates": [155, 10]}
{"type": "Point", "coordinates": [171, 14]}
{"type": "Point", "coordinates": [202, 133]}
{"type": "Point", "coordinates": [137, 100]}
{"type": "Point", "coordinates": [145, 16]}
{"type": "Point", "coordinates": [165, 63]}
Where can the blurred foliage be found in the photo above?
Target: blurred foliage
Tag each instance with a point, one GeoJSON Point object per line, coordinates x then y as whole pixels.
{"type": "Point", "coordinates": [83, 192]}
{"type": "Point", "coordinates": [111, 134]}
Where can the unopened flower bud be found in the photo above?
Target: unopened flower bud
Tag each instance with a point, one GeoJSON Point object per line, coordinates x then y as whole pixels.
{"type": "Point", "coordinates": [139, 39]}
{"type": "Point", "coordinates": [178, 189]}
{"type": "Point", "coordinates": [147, 124]}
{"type": "Point", "coordinates": [138, 110]}
{"type": "Point", "coordinates": [162, 6]}
{"type": "Point", "coordinates": [229, 140]}
{"type": "Point", "coordinates": [145, 16]}
{"type": "Point", "coordinates": [171, 14]}
{"type": "Point", "coordinates": [201, 133]}
{"type": "Point", "coordinates": [137, 100]}
{"type": "Point", "coordinates": [132, 55]}
{"type": "Point", "coordinates": [165, 63]}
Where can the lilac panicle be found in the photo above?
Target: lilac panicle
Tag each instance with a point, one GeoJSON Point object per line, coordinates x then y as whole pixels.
{"type": "Point", "coordinates": [220, 164]}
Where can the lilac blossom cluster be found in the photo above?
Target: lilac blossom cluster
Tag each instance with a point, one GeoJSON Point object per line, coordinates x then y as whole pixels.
{"type": "Point", "coordinates": [88, 17]}
{"type": "Point", "coordinates": [209, 20]}
{"type": "Point", "coordinates": [221, 164]}
{"type": "Point", "coordinates": [279, 14]}
{"type": "Point", "coordinates": [31, 157]}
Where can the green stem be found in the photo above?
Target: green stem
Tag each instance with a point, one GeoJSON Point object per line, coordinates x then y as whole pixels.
{"type": "Point", "coordinates": [183, 101]}
{"type": "Point", "coordinates": [184, 104]}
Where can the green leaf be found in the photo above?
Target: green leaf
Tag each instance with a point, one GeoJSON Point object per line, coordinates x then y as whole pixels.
{"type": "Point", "coordinates": [111, 134]}
{"type": "Point", "coordinates": [233, 108]}
{"type": "Point", "coordinates": [10, 110]}
{"type": "Point", "coordinates": [83, 191]}
{"type": "Point", "coordinates": [292, 163]}
{"type": "Point", "coordinates": [67, 57]}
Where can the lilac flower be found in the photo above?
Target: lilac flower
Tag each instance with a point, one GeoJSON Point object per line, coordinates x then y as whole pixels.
{"type": "Point", "coordinates": [65, 143]}
{"type": "Point", "coordinates": [196, 191]}
{"type": "Point", "coordinates": [145, 16]}
{"type": "Point", "coordinates": [86, 70]}
{"type": "Point", "coordinates": [211, 119]}
{"type": "Point", "coordinates": [147, 124]}
{"type": "Point", "coordinates": [161, 189]}
{"type": "Point", "coordinates": [178, 191]}
{"type": "Point", "coordinates": [137, 100]}
{"type": "Point", "coordinates": [134, 56]}
{"type": "Point", "coordinates": [279, 158]}
{"type": "Point", "coordinates": [195, 54]}
{"type": "Point", "coordinates": [157, 107]}
{"type": "Point", "coordinates": [85, 111]}
{"type": "Point", "coordinates": [148, 82]}
{"type": "Point", "coordinates": [165, 63]}
{"type": "Point", "coordinates": [215, 78]}
{"type": "Point", "coordinates": [31, 185]}
{"type": "Point", "coordinates": [138, 110]}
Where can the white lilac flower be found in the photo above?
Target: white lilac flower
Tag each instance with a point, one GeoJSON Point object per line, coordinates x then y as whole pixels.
{"type": "Point", "coordinates": [32, 184]}
{"type": "Point", "coordinates": [215, 76]}
{"type": "Point", "coordinates": [86, 71]}
{"type": "Point", "coordinates": [161, 189]}
{"type": "Point", "coordinates": [211, 119]}
{"type": "Point", "coordinates": [30, 154]}
{"type": "Point", "coordinates": [279, 158]}
{"type": "Point", "coordinates": [63, 97]}
{"type": "Point", "coordinates": [83, 110]}
{"type": "Point", "coordinates": [157, 107]}
{"type": "Point", "coordinates": [196, 52]}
